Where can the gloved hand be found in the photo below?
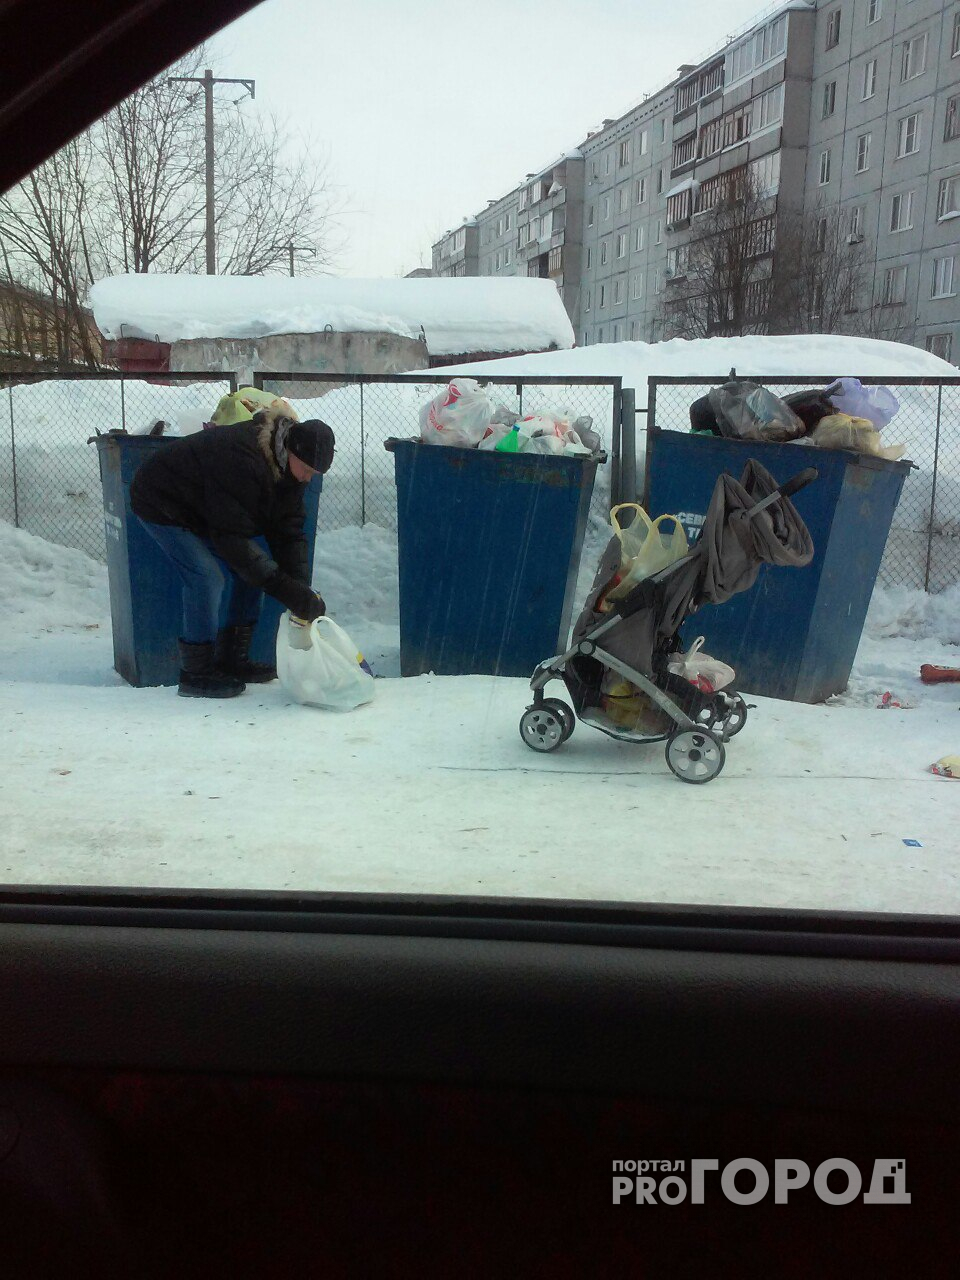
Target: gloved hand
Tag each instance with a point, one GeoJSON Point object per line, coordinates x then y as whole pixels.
{"type": "Point", "coordinates": [296, 596]}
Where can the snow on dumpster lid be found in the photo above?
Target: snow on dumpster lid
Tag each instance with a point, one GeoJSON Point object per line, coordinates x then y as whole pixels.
{"type": "Point", "coordinates": [457, 315]}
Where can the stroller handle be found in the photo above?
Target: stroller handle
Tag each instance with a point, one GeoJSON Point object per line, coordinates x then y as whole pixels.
{"type": "Point", "coordinates": [799, 481]}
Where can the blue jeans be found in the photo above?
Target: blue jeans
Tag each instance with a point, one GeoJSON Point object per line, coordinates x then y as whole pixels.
{"type": "Point", "coordinates": [204, 576]}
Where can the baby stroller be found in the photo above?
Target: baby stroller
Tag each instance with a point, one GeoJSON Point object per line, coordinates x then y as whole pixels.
{"type": "Point", "coordinates": [750, 522]}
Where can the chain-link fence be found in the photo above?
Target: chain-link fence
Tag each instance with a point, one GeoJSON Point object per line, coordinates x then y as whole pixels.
{"type": "Point", "coordinates": [49, 475]}
{"type": "Point", "coordinates": [923, 549]}
{"type": "Point", "coordinates": [365, 410]}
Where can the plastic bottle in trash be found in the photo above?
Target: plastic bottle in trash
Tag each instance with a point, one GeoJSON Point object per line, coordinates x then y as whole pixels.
{"type": "Point", "coordinates": [511, 442]}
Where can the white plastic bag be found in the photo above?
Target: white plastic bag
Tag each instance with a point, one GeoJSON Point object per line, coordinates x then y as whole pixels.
{"type": "Point", "coordinates": [458, 416]}
{"type": "Point", "coordinates": [646, 546]}
{"type": "Point", "coordinates": [320, 666]}
{"type": "Point", "coordinates": [708, 674]}
{"type": "Point", "coordinates": [877, 404]}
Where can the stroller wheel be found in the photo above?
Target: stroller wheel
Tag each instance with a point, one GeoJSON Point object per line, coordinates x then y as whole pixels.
{"type": "Point", "coordinates": [695, 755]}
{"type": "Point", "coordinates": [736, 719]}
{"type": "Point", "coordinates": [564, 712]}
{"type": "Point", "coordinates": [542, 728]}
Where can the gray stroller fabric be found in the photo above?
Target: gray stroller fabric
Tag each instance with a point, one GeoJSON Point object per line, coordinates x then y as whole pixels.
{"type": "Point", "coordinates": [724, 561]}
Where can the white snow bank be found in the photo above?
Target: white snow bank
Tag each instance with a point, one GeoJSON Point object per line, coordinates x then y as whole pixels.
{"type": "Point", "coordinates": [457, 315]}
{"type": "Point", "coordinates": [43, 585]}
{"type": "Point", "coordinates": [897, 612]}
{"type": "Point", "coordinates": [827, 355]}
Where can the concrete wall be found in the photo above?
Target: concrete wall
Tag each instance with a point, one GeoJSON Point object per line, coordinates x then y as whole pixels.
{"type": "Point", "coordinates": [302, 352]}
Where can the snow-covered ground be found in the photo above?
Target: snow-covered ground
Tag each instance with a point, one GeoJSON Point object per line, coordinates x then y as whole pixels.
{"type": "Point", "coordinates": [430, 789]}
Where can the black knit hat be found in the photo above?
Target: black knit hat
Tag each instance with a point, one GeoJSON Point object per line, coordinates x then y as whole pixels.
{"type": "Point", "coordinates": [312, 442]}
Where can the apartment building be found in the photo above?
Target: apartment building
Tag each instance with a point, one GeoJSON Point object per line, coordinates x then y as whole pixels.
{"type": "Point", "coordinates": [851, 106]}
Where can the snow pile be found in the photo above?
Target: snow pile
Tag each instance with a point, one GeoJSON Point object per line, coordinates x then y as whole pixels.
{"type": "Point", "coordinates": [456, 315]}
{"type": "Point", "coordinates": [43, 585]}
{"type": "Point", "coordinates": [826, 355]}
{"type": "Point", "coordinates": [899, 613]}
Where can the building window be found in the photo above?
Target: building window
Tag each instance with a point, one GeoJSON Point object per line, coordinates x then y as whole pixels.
{"type": "Point", "coordinates": [586, 300]}
{"type": "Point", "coordinates": [684, 151]}
{"type": "Point", "coordinates": [591, 209]}
{"type": "Point", "coordinates": [608, 163]}
{"type": "Point", "coordinates": [769, 107]}
{"type": "Point", "coordinates": [616, 333]}
{"type": "Point", "coordinates": [939, 344]}
{"type": "Point", "coordinates": [659, 231]}
{"type": "Point", "coordinates": [589, 258]}
{"type": "Point", "coordinates": [622, 245]}
{"type": "Point", "coordinates": [894, 286]}
{"type": "Point", "coordinates": [644, 142]}
{"type": "Point", "coordinates": [943, 278]}
{"type": "Point", "coordinates": [618, 290]}
{"type": "Point", "coordinates": [686, 97]}
{"type": "Point", "coordinates": [506, 256]}
{"type": "Point", "coordinates": [459, 240]}
{"type": "Point", "coordinates": [623, 199]}
{"type": "Point", "coordinates": [603, 295]}
{"type": "Point", "coordinates": [676, 262]}
{"type": "Point", "coordinates": [955, 42]}
{"type": "Point", "coordinates": [901, 212]}
{"type": "Point", "coordinates": [833, 30]}
{"type": "Point", "coordinates": [603, 255]}
{"type": "Point", "coordinates": [637, 286]}
{"type": "Point", "coordinates": [659, 182]}
{"type": "Point", "coordinates": [951, 126]}
{"type": "Point", "coordinates": [600, 334]}
{"type": "Point", "coordinates": [634, 326]}
{"type": "Point", "coordinates": [679, 207]}
{"type": "Point", "coordinates": [606, 208]}
{"type": "Point", "coordinates": [948, 198]}
{"type": "Point", "coordinates": [638, 238]}
{"type": "Point", "coordinates": [908, 136]}
{"type": "Point", "coordinates": [499, 261]}
{"type": "Point", "coordinates": [913, 60]}
{"type": "Point", "coordinates": [523, 234]}
{"type": "Point", "coordinates": [663, 130]}
{"type": "Point", "coordinates": [658, 280]}
{"type": "Point", "coordinates": [856, 223]}
{"type": "Point", "coordinates": [762, 238]}
{"type": "Point", "coordinates": [640, 190]}
{"type": "Point", "coordinates": [507, 222]}
{"type": "Point", "coordinates": [766, 173]}
{"type": "Point", "coordinates": [874, 11]}
{"type": "Point", "coordinates": [829, 99]}
{"type": "Point", "coordinates": [863, 152]}
{"type": "Point", "coordinates": [824, 168]}
{"type": "Point", "coordinates": [821, 235]}
{"type": "Point", "coordinates": [869, 79]}
{"type": "Point", "coordinates": [523, 198]}
{"type": "Point", "coordinates": [499, 226]}
{"type": "Point", "coordinates": [623, 153]}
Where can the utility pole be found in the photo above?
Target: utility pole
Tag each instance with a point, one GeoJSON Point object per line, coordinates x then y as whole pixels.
{"type": "Point", "coordinates": [299, 248]}
{"type": "Point", "coordinates": [208, 80]}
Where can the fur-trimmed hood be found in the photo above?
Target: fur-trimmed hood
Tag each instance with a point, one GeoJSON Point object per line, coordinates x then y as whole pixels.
{"type": "Point", "coordinates": [267, 421]}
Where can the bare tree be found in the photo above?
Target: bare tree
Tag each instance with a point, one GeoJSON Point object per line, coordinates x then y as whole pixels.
{"type": "Point", "coordinates": [128, 196]}
{"type": "Point", "coordinates": [820, 274]}
{"type": "Point", "coordinates": [720, 281]}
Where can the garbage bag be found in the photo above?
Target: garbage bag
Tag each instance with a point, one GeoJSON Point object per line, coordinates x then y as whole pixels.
{"type": "Point", "coordinates": [241, 405]}
{"type": "Point", "coordinates": [646, 547]}
{"type": "Point", "coordinates": [877, 404]}
{"type": "Point", "coordinates": [840, 431]}
{"type": "Point", "coordinates": [809, 406]}
{"type": "Point", "coordinates": [320, 666]}
{"type": "Point", "coordinates": [708, 674]}
{"type": "Point", "coordinates": [458, 416]}
{"type": "Point", "coordinates": [746, 411]}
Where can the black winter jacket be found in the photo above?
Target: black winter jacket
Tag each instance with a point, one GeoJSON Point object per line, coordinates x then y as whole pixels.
{"type": "Point", "coordinates": [224, 484]}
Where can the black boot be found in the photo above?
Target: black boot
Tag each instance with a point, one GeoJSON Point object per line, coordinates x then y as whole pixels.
{"type": "Point", "coordinates": [200, 676]}
{"type": "Point", "coordinates": [233, 649]}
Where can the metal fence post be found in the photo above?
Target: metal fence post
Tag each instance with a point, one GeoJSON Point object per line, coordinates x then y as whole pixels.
{"type": "Point", "coordinates": [651, 428]}
{"type": "Point", "coordinates": [933, 491]}
{"type": "Point", "coordinates": [363, 464]}
{"type": "Point", "coordinates": [123, 403]}
{"type": "Point", "coordinates": [13, 461]}
{"type": "Point", "coordinates": [628, 444]}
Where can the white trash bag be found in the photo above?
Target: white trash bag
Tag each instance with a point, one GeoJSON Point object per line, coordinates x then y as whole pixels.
{"type": "Point", "coordinates": [708, 674]}
{"type": "Point", "coordinates": [458, 416]}
{"type": "Point", "coordinates": [319, 665]}
{"type": "Point", "coordinates": [877, 404]}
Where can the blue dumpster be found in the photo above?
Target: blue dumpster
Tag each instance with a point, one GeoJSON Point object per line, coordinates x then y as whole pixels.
{"type": "Point", "coordinates": [794, 635]}
{"type": "Point", "coordinates": [145, 589]}
{"type": "Point", "coordinates": [489, 548]}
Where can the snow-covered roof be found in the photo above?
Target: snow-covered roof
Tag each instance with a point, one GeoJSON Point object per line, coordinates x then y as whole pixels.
{"type": "Point", "coordinates": [457, 315]}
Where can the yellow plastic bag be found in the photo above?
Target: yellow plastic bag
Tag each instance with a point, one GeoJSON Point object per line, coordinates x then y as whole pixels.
{"type": "Point", "coordinates": [840, 431]}
{"type": "Point", "coordinates": [240, 406]}
{"type": "Point", "coordinates": [646, 546]}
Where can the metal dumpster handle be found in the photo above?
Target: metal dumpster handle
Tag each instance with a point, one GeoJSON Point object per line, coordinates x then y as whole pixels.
{"type": "Point", "coordinates": [799, 481]}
